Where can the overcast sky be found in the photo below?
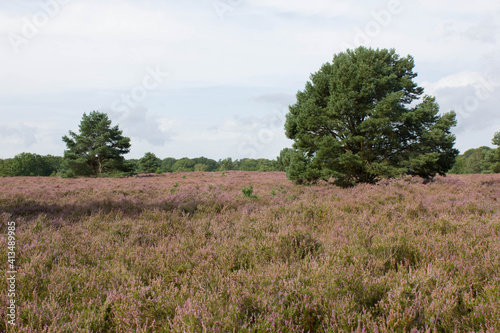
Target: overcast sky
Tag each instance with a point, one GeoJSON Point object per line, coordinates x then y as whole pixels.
{"type": "Point", "coordinates": [215, 78]}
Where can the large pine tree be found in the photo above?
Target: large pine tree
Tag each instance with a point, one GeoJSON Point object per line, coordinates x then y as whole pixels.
{"type": "Point", "coordinates": [357, 120]}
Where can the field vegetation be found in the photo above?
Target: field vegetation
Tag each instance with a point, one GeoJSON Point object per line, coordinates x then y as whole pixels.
{"type": "Point", "coordinates": [252, 252]}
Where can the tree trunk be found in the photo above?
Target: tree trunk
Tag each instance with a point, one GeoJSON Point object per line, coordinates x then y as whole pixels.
{"type": "Point", "coordinates": [100, 164]}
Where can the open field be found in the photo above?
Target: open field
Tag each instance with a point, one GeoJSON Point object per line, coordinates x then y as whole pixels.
{"type": "Point", "coordinates": [188, 252]}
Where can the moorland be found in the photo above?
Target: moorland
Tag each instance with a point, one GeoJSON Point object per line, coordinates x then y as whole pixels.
{"type": "Point", "coordinates": [252, 252]}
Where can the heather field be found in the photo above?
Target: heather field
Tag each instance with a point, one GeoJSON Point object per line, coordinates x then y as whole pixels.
{"type": "Point", "coordinates": [189, 252]}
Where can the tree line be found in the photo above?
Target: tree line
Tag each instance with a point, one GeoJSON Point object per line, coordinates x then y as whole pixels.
{"type": "Point", "coordinates": [31, 164]}
{"type": "Point", "coordinates": [473, 161]}
{"type": "Point", "coordinates": [479, 160]}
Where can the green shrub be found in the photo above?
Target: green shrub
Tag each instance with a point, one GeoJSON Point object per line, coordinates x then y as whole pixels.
{"type": "Point", "coordinates": [248, 192]}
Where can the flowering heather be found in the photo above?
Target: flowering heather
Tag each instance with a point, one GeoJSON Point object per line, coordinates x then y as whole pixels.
{"type": "Point", "coordinates": [143, 254]}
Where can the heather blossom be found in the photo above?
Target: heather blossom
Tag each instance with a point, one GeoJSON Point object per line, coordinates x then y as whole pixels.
{"type": "Point", "coordinates": [139, 254]}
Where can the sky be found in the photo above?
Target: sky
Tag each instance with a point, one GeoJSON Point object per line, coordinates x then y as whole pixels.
{"type": "Point", "coordinates": [215, 78]}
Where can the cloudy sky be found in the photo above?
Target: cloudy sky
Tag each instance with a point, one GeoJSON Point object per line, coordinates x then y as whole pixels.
{"type": "Point", "coordinates": [214, 78]}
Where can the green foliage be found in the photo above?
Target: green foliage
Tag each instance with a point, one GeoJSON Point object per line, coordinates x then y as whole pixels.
{"type": "Point", "coordinates": [5, 167]}
{"type": "Point", "coordinates": [249, 164]}
{"type": "Point", "coordinates": [266, 167]}
{"type": "Point", "coordinates": [283, 160]}
{"type": "Point", "coordinates": [97, 149]}
{"type": "Point", "coordinates": [356, 121]}
{"type": "Point", "coordinates": [226, 164]}
{"type": "Point", "coordinates": [167, 163]}
{"type": "Point", "coordinates": [200, 167]}
{"type": "Point", "coordinates": [209, 164]}
{"type": "Point", "coordinates": [248, 192]}
{"type": "Point", "coordinates": [184, 165]}
{"type": "Point", "coordinates": [28, 164]}
{"type": "Point", "coordinates": [492, 158]}
{"type": "Point", "coordinates": [56, 163]}
{"type": "Point", "coordinates": [473, 161]}
{"type": "Point", "coordinates": [496, 139]}
{"type": "Point", "coordinates": [131, 164]}
{"type": "Point", "coordinates": [148, 164]}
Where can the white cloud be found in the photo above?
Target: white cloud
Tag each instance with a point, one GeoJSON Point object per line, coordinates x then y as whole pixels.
{"type": "Point", "coordinates": [120, 20]}
{"type": "Point", "coordinates": [90, 45]}
{"type": "Point", "coordinates": [19, 135]}
{"type": "Point", "coordinates": [451, 7]}
{"type": "Point", "coordinates": [141, 124]}
{"type": "Point", "coordinates": [462, 79]}
{"type": "Point", "coordinates": [473, 96]}
{"type": "Point", "coordinates": [485, 31]}
{"type": "Point", "coordinates": [310, 7]}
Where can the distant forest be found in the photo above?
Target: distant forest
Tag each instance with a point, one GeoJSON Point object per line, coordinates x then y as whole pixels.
{"type": "Point", "coordinates": [473, 161]}
{"type": "Point", "coordinates": [29, 164]}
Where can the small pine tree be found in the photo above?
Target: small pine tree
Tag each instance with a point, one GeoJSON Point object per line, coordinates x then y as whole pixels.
{"type": "Point", "coordinates": [98, 148]}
